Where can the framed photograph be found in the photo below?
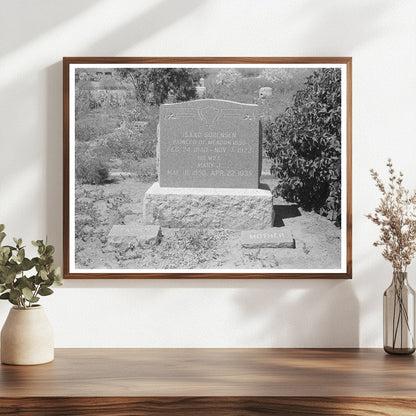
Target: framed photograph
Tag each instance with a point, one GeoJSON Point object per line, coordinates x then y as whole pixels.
{"type": "Point", "coordinates": [207, 167]}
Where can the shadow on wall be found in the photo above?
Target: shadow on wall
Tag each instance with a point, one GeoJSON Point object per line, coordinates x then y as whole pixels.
{"type": "Point", "coordinates": [338, 18]}
{"type": "Point", "coordinates": [54, 144]}
{"type": "Point", "coordinates": [301, 313]}
{"type": "Point", "coordinates": [41, 16]}
{"type": "Point", "coordinates": [156, 18]}
{"type": "Point", "coordinates": [375, 276]}
{"type": "Point", "coordinates": [282, 313]}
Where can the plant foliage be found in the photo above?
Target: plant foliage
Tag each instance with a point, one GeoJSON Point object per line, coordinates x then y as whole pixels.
{"type": "Point", "coordinates": [304, 145]}
{"type": "Point", "coordinates": [153, 85]}
{"type": "Point", "coordinates": [16, 285]}
{"type": "Point", "coordinates": [90, 169]}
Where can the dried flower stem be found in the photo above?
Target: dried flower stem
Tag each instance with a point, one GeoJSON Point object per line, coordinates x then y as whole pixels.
{"type": "Point", "coordinates": [396, 217]}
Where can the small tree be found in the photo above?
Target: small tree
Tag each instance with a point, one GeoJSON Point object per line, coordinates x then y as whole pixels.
{"type": "Point", "coordinates": [304, 145]}
{"type": "Point", "coordinates": [153, 85]}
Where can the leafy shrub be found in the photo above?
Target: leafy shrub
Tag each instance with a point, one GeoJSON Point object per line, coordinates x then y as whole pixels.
{"type": "Point", "coordinates": [86, 218]}
{"type": "Point", "coordinates": [137, 139]}
{"type": "Point", "coordinates": [304, 145]}
{"type": "Point", "coordinates": [154, 85]}
{"type": "Point", "coordinates": [149, 135]}
{"type": "Point", "coordinates": [146, 169]}
{"type": "Point", "coordinates": [228, 76]}
{"type": "Point", "coordinates": [112, 83]}
{"type": "Point", "coordinates": [126, 143]}
{"type": "Point", "coordinates": [90, 169]}
{"type": "Point", "coordinates": [93, 126]}
{"type": "Point", "coordinates": [243, 90]}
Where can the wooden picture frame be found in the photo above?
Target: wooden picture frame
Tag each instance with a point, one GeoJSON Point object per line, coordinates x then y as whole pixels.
{"type": "Point", "coordinates": [85, 78]}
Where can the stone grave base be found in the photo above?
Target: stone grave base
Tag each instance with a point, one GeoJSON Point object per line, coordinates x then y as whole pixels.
{"type": "Point", "coordinates": [208, 207]}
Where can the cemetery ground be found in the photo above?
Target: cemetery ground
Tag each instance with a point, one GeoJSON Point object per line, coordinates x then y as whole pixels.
{"type": "Point", "coordinates": [120, 201]}
{"type": "Point", "coordinates": [115, 164]}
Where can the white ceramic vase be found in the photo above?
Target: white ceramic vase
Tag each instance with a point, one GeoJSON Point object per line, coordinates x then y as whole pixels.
{"type": "Point", "coordinates": [27, 337]}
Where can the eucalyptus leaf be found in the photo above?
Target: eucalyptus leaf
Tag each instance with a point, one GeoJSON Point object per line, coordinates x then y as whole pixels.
{"type": "Point", "coordinates": [2, 236]}
{"type": "Point", "coordinates": [2, 288]}
{"type": "Point", "coordinates": [13, 301]}
{"type": "Point", "coordinates": [4, 255]}
{"type": "Point", "coordinates": [37, 280]}
{"type": "Point", "coordinates": [2, 226]}
{"type": "Point", "coordinates": [43, 274]}
{"type": "Point", "coordinates": [45, 291]}
{"type": "Point", "coordinates": [9, 277]}
{"type": "Point", "coordinates": [58, 277]}
{"type": "Point", "coordinates": [48, 282]}
{"type": "Point", "coordinates": [5, 295]}
{"type": "Point", "coordinates": [15, 294]}
{"type": "Point", "coordinates": [49, 250]}
{"type": "Point", "coordinates": [27, 293]}
{"type": "Point", "coordinates": [26, 264]}
{"type": "Point", "coordinates": [24, 282]}
{"type": "Point", "coordinates": [21, 255]}
{"type": "Point", "coordinates": [5, 250]}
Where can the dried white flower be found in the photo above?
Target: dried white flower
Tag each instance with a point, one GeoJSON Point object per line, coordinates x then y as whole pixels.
{"type": "Point", "coordinates": [396, 216]}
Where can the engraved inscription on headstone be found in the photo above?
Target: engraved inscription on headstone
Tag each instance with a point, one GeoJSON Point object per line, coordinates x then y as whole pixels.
{"type": "Point", "coordinates": [209, 144]}
{"type": "Point", "coordinates": [267, 238]}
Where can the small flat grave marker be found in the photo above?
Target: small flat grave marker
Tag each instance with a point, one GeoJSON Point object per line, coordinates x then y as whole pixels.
{"type": "Point", "coordinates": [267, 238]}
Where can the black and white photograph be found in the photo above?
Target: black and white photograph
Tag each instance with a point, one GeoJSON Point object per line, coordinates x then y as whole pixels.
{"type": "Point", "coordinates": [211, 168]}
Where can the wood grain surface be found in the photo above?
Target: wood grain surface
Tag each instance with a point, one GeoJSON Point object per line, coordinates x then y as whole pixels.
{"type": "Point", "coordinates": [212, 381]}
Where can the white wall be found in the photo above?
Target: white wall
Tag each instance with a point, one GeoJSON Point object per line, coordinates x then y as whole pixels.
{"type": "Point", "coordinates": [380, 35]}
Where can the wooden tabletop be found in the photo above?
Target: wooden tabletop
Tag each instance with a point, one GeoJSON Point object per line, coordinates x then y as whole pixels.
{"type": "Point", "coordinates": [328, 377]}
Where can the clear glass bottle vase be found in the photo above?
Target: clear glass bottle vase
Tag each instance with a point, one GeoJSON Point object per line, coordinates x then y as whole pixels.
{"type": "Point", "coordinates": [399, 316]}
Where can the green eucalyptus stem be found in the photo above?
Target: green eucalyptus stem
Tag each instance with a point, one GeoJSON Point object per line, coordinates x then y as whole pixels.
{"type": "Point", "coordinates": [23, 280]}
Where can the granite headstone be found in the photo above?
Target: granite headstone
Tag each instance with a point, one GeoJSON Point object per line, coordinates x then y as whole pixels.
{"type": "Point", "coordinates": [209, 144]}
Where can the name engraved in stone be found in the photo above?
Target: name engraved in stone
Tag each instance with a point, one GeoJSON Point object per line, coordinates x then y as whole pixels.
{"type": "Point", "coordinates": [210, 134]}
{"type": "Point", "coordinates": [268, 235]}
{"type": "Point", "coordinates": [267, 238]}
